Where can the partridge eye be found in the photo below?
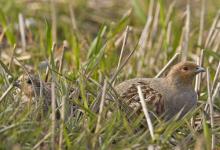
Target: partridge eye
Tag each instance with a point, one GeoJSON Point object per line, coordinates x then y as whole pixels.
{"type": "Point", "coordinates": [185, 68]}
{"type": "Point", "coordinates": [29, 81]}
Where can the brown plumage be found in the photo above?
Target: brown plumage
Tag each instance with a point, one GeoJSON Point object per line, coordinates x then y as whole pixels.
{"type": "Point", "coordinates": [168, 95]}
{"type": "Point", "coordinates": [32, 86]}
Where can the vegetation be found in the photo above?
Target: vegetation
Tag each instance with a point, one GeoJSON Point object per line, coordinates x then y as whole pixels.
{"type": "Point", "coordinates": [92, 45]}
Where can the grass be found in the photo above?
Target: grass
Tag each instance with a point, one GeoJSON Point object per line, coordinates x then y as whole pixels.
{"type": "Point", "coordinates": [91, 46]}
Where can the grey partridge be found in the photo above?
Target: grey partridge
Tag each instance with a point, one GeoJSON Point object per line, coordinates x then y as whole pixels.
{"type": "Point", "coordinates": [32, 86]}
{"type": "Point", "coordinates": [165, 96]}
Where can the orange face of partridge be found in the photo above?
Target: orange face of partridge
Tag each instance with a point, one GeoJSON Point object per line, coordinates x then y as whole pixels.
{"type": "Point", "coordinates": [27, 87]}
{"type": "Point", "coordinates": [184, 72]}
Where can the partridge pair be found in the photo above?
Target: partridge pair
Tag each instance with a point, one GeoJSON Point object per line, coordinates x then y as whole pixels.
{"type": "Point", "coordinates": [168, 96]}
{"type": "Point", "coordinates": [165, 96]}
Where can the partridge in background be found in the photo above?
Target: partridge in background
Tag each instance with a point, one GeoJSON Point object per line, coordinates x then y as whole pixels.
{"type": "Point", "coordinates": [165, 96]}
{"type": "Point", "coordinates": [33, 86]}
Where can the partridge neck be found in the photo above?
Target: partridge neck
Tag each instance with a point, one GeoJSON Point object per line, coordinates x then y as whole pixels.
{"type": "Point", "coordinates": [179, 82]}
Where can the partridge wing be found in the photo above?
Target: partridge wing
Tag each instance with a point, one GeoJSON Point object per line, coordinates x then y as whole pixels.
{"type": "Point", "coordinates": [152, 98]}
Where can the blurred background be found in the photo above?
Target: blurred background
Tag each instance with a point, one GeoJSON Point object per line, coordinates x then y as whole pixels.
{"type": "Point", "coordinates": [93, 39]}
{"type": "Point", "coordinates": [79, 22]}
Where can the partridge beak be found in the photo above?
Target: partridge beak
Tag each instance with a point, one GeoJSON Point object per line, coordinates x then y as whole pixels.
{"type": "Point", "coordinates": [199, 69]}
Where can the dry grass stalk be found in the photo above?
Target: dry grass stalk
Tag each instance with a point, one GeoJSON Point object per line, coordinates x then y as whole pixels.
{"type": "Point", "coordinates": [163, 32]}
{"type": "Point", "coordinates": [54, 19]}
{"type": "Point", "coordinates": [151, 8]}
{"type": "Point", "coordinates": [214, 36]}
{"type": "Point", "coordinates": [6, 92]}
{"type": "Point", "coordinates": [199, 76]}
{"type": "Point", "coordinates": [158, 47]}
{"type": "Point", "coordinates": [217, 89]}
{"type": "Point", "coordinates": [192, 121]}
{"type": "Point", "coordinates": [154, 26]}
{"type": "Point", "coordinates": [213, 96]}
{"type": "Point", "coordinates": [170, 11]}
{"type": "Point", "coordinates": [98, 126]}
{"type": "Point", "coordinates": [62, 112]}
{"type": "Point", "coordinates": [179, 48]}
{"type": "Point", "coordinates": [213, 85]}
{"type": "Point", "coordinates": [199, 43]}
{"type": "Point", "coordinates": [211, 112]}
{"type": "Point", "coordinates": [142, 44]}
{"type": "Point", "coordinates": [101, 107]}
{"type": "Point", "coordinates": [143, 39]}
{"type": "Point", "coordinates": [22, 30]}
{"type": "Point", "coordinates": [201, 25]}
{"type": "Point", "coordinates": [170, 62]}
{"type": "Point", "coordinates": [8, 127]}
{"type": "Point", "coordinates": [41, 88]}
{"type": "Point", "coordinates": [146, 113]}
{"type": "Point", "coordinates": [41, 141]}
{"type": "Point", "coordinates": [62, 55]}
{"type": "Point", "coordinates": [216, 47]}
{"type": "Point", "coordinates": [186, 34]}
{"type": "Point", "coordinates": [123, 46]}
{"type": "Point", "coordinates": [72, 16]}
{"type": "Point", "coordinates": [47, 70]}
{"type": "Point", "coordinates": [122, 65]}
{"type": "Point", "coordinates": [215, 77]}
{"type": "Point", "coordinates": [53, 115]}
{"type": "Point", "coordinates": [156, 20]}
{"type": "Point", "coordinates": [169, 29]}
{"type": "Point", "coordinates": [12, 57]}
{"type": "Point", "coordinates": [212, 29]}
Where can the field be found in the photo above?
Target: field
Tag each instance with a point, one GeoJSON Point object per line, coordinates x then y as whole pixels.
{"type": "Point", "coordinates": [80, 49]}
